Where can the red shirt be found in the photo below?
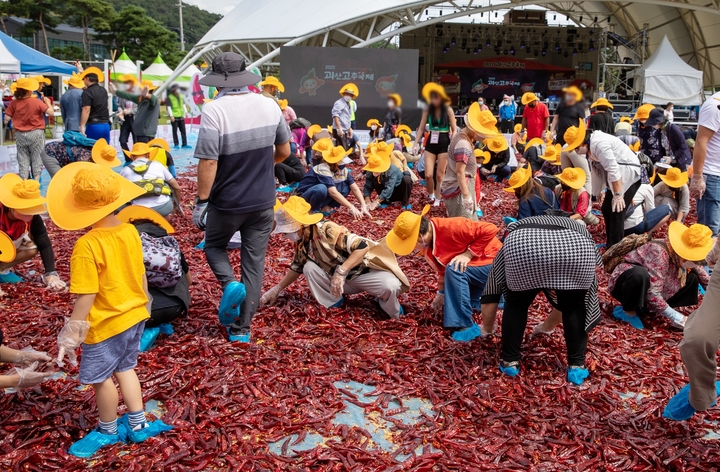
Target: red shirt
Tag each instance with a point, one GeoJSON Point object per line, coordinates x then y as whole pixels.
{"type": "Point", "coordinates": [453, 236]}
{"type": "Point", "coordinates": [13, 228]}
{"type": "Point", "coordinates": [27, 114]}
{"type": "Point", "coordinates": [536, 120]}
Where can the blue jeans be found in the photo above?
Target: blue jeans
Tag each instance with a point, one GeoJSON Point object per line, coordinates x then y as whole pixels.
{"type": "Point", "coordinates": [708, 207]}
{"type": "Point", "coordinates": [462, 294]}
{"type": "Point", "coordinates": [652, 218]}
{"type": "Point", "coordinates": [98, 130]}
{"type": "Point", "coordinates": [317, 196]}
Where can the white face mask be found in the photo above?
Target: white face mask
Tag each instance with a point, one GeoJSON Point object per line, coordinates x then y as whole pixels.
{"type": "Point", "coordinates": [347, 98]}
{"type": "Point", "coordinates": [688, 265]}
{"type": "Point", "coordinates": [373, 127]}
{"type": "Point", "coordinates": [292, 237]}
{"type": "Point", "coordinates": [391, 104]}
{"type": "Point", "coordinates": [480, 102]}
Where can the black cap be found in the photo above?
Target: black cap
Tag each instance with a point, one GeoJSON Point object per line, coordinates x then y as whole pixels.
{"type": "Point", "coordinates": [228, 70]}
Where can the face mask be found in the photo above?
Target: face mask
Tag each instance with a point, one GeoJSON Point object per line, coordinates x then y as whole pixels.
{"type": "Point", "coordinates": [292, 237]}
{"type": "Point", "coordinates": [347, 98]}
{"type": "Point", "coordinates": [688, 265]}
{"type": "Point", "coordinates": [480, 102]}
{"type": "Point", "coordinates": [507, 102]}
{"type": "Point", "coordinates": [532, 105]}
{"type": "Point", "coordinates": [373, 127]}
{"type": "Point", "coordinates": [391, 104]}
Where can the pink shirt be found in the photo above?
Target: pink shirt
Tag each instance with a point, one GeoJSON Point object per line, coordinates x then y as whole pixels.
{"type": "Point", "coordinates": [289, 114]}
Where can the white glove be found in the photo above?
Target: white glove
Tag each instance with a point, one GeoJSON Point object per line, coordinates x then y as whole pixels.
{"type": "Point", "coordinates": [71, 336]}
{"type": "Point", "coordinates": [337, 283]}
{"type": "Point", "coordinates": [29, 355]}
{"type": "Point", "coordinates": [438, 303]}
{"type": "Point", "coordinates": [54, 282]}
{"type": "Point", "coordinates": [415, 149]}
{"type": "Point", "coordinates": [618, 203]}
{"type": "Point", "coordinates": [697, 186]}
{"type": "Point", "coordinates": [357, 214]}
{"type": "Point", "coordinates": [468, 204]}
{"type": "Point", "coordinates": [270, 297]}
{"type": "Point", "coordinates": [29, 378]}
{"type": "Point", "coordinates": [676, 318]}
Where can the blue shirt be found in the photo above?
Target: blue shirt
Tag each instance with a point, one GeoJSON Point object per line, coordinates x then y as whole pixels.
{"type": "Point", "coordinates": [507, 112]}
{"type": "Point", "coordinates": [321, 174]}
{"type": "Point", "coordinates": [70, 108]}
{"type": "Point", "coordinates": [535, 206]}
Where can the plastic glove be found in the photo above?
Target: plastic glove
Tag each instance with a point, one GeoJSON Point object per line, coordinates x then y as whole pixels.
{"type": "Point", "coordinates": [601, 198]}
{"type": "Point", "coordinates": [29, 378]}
{"type": "Point", "coordinates": [618, 203]}
{"type": "Point", "coordinates": [365, 210]}
{"type": "Point", "coordinates": [415, 149]}
{"type": "Point", "coordinates": [338, 281]}
{"type": "Point", "coordinates": [468, 204]}
{"type": "Point", "coordinates": [54, 282]}
{"type": "Point", "coordinates": [676, 318]}
{"type": "Point", "coordinates": [373, 205]}
{"type": "Point", "coordinates": [199, 215]}
{"type": "Point", "coordinates": [29, 355]}
{"type": "Point", "coordinates": [438, 303]}
{"type": "Point", "coordinates": [270, 297]}
{"type": "Point", "coordinates": [71, 336]}
{"type": "Point", "coordinates": [714, 255]}
{"type": "Point", "coordinates": [357, 214]}
{"type": "Point", "coordinates": [697, 186]}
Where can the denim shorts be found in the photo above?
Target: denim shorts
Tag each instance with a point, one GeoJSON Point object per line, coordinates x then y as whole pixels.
{"type": "Point", "coordinates": [652, 218]}
{"type": "Point", "coordinates": [116, 354]}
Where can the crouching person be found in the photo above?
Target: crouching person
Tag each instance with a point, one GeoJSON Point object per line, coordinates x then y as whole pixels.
{"type": "Point", "coordinates": [461, 251]}
{"type": "Point", "coordinates": [336, 262]}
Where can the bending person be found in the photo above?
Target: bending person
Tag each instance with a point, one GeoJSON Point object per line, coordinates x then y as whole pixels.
{"type": "Point", "coordinates": [390, 183]}
{"type": "Point", "coordinates": [160, 186]}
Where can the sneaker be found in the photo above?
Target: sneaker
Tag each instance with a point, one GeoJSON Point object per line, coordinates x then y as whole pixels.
{"type": "Point", "coordinates": [93, 442]}
{"type": "Point", "coordinates": [233, 296]}
{"type": "Point", "coordinates": [577, 374]}
{"type": "Point", "coordinates": [238, 335]}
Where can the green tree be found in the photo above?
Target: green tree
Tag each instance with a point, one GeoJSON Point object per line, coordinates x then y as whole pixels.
{"type": "Point", "coordinates": [39, 12]}
{"type": "Point", "coordinates": [68, 53]}
{"type": "Point", "coordinates": [86, 14]}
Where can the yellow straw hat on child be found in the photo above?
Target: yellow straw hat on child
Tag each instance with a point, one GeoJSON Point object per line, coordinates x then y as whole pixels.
{"type": "Point", "coordinates": [270, 80]}
{"type": "Point", "coordinates": [573, 177]}
{"type": "Point", "coordinates": [402, 129]}
{"type": "Point", "coordinates": [518, 178]}
{"type": "Point", "coordinates": [335, 154]}
{"type": "Point", "coordinates": [23, 196]}
{"type": "Point", "coordinates": [104, 154]}
{"type": "Point", "coordinates": [403, 238]}
{"type": "Point", "coordinates": [140, 149]}
{"type": "Point", "coordinates": [484, 155]}
{"type": "Point", "coordinates": [496, 144]}
{"type": "Point", "coordinates": [322, 145]}
{"type": "Point", "coordinates": [575, 136]}
{"type": "Point", "coordinates": [138, 212]}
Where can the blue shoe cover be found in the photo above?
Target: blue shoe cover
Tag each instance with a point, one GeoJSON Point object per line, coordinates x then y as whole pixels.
{"type": "Point", "coordinates": [176, 147]}
{"type": "Point", "coordinates": [600, 246]}
{"type": "Point", "coordinates": [479, 213]}
{"type": "Point", "coordinates": [577, 375]}
{"type": "Point", "coordinates": [634, 321]}
{"type": "Point", "coordinates": [201, 245]}
{"type": "Point", "coordinates": [467, 334]}
{"type": "Point", "coordinates": [10, 278]}
{"type": "Point", "coordinates": [402, 311]}
{"type": "Point", "coordinates": [679, 407]}
{"type": "Point", "coordinates": [327, 213]}
{"type": "Point", "coordinates": [501, 303]}
{"type": "Point", "coordinates": [508, 220]}
{"type": "Point", "coordinates": [339, 303]}
{"type": "Point", "coordinates": [166, 329]}
{"type": "Point", "coordinates": [148, 338]}
{"type": "Point", "coordinates": [410, 165]}
{"type": "Point", "coordinates": [187, 146]}
{"type": "Point", "coordinates": [233, 296]}
{"type": "Point", "coordinates": [152, 429]}
{"type": "Point", "coordinates": [422, 182]}
{"type": "Point", "coordinates": [510, 371]}
{"type": "Point", "coordinates": [701, 290]}
{"type": "Point", "coordinates": [284, 189]}
{"type": "Point", "coordinates": [239, 338]}
{"type": "Point", "coordinates": [90, 444]}
{"type": "Point", "coordinates": [596, 212]}
{"type": "Point", "coordinates": [384, 205]}
{"type": "Point", "coordinates": [407, 207]}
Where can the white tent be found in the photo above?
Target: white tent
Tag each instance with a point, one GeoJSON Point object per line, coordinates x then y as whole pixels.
{"type": "Point", "coordinates": [668, 78]}
{"type": "Point", "coordinates": [158, 72]}
{"type": "Point", "coordinates": [9, 64]}
{"type": "Point", "coordinates": [187, 75]}
{"type": "Point", "coordinates": [123, 65]}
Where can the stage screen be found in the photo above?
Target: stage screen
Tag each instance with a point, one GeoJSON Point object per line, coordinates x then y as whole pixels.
{"type": "Point", "coordinates": [313, 77]}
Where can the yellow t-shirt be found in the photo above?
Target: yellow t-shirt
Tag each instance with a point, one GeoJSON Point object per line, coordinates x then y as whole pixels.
{"type": "Point", "coordinates": [109, 262]}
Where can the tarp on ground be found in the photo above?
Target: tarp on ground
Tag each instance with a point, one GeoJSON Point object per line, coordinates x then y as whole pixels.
{"type": "Point", "coordinates": [669, 79]}
{"type": "Point", "coordinates": [35, 62]}
{"type": "Point", "coordinates": [123, 65]}
{"type": "Point", "coordinates": [158, 71]}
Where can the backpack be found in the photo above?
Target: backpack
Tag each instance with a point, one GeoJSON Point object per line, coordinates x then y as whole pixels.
{"type": "Point", "coordinates": [647, 168]}
{"type": "Point", "coordinates": [74, 138]}
{"type": "Point", "coordinates": [162, 259]}
{"type": "Point", "coordinates": [300, 123]}
{"type": "Point", "coordinates": [615, 255]}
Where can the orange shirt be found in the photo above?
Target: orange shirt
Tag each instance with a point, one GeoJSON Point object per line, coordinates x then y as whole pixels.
{"type": "Point", "coordinates": [453, 236]}
{"type": "Point", "coordinates": [27, 113]}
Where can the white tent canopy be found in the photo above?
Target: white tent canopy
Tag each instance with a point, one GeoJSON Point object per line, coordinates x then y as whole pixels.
{"type": "Point", "coordinates": [123, 65]}
{"type": "Point", "coordinates": [668, 78]}
{"type": "Point", "coordinates": [158, 71]}
{"type": "Point", "coordinates": [9, 64]}
{"type": "Point", "coordinates": [187, 75]}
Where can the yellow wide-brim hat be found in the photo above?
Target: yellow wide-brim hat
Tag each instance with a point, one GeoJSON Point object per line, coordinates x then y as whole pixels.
{"type": "Point", "coordinates": [552, 153]}
{"type": "Point", "coordinates": [21, 195]}
{"type": "Point", "coordinates": [635, 146]}
{"type": "Point", "coordinates": [350, 88]}
{"type": "Point", "coordinates": [432, 87]}
{"type": "Point", "coordinates": [283, 103]}
{"type": "Point", "coordinates": [322, 145]}
{"type": "Point", "coordinates": [377, 163]}
{"type": "Point", "coordinates": [396, 98]}
{"type": "Point", "coordinates": [160, 143]}
{"type": "Point", "coordinates": [602, 102]}
{"type": "Point", "coordinates": [128, 78]}
{"type": "Point", "coordinates": [270, 80]}
{"type": "Point", "coordinates": [7, 248]}
{"type": "Point", "coordinates": [574, 91]}
{"type": "Point", "coordinates": [75, 81]}
{"type": "Point", "coordinates": [314, 129]}
{"type": "Point", "coordinates": [104, 154]}
{"type": "Point", "coordinates": [518, 127]}
{"type": "Point", "coordinates": [42, 79]}
{"type": "Point", "coordinates": [484, 155]}
{"type": "Point", "coordinates": [371, 122]}
{"type": "Point", "coordinates": [299, 210]}
{"type": "Point", "coordinates": [407, 140]}
{"type": "Point", "coordinates": [496, 144]}
{"type": "Point", "coordinates": [573, 177]}
{"type": "Point", "coordinates": [27, 83]}
{"type": "Point", "coordinates": [403, 238]}
{"type": "Point", "coordinates": [535, 142]}
{"type": "Point", "coordinates": [140, 149]}
{"type": "Point", "coordinates": [693, 243]}
{"type": "Point", "coordinates": [380, 147]}
{"type": "Point", "coordinates": [335, 154]}
{"type": "Point", "coordinates": [643, 112]}
{"type": "Point", "coordinates": [674, 177]}
{"type": "Point", "coordinates": [518, 178]}
{"type": "Point", "coordinates": [626, 119]}
{"type": "Point", "coordinates": [402, 129]}
{"type": "Point", "coordinates": [149, 84]}
{"type": "Point", "coordinates": [575, 136]}
{"type": "Point", "coordinates": [94, 70]}
{"type": "Point", "coordinates": [528, 97]}
{"type": "Point", "coordinates": [83, 193]}
{"type": "Point", "coordinates": [481, 122]}
{"type": "Point", "coordinates": [138, 212]}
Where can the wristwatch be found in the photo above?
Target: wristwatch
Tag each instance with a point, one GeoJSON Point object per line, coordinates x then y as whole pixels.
{"type": "Point", "coordinates": [617, 194]}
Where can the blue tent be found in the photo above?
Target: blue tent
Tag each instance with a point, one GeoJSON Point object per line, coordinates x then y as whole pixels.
{"type": "Point", "coordinates": [35, 62]}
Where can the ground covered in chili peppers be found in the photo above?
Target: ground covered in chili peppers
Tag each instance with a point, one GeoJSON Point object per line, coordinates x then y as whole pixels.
{"type": "Point", "coordinates": [349, 389]}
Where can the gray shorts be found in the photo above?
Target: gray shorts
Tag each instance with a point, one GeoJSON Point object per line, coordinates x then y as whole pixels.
{"type": "Point", "coordinates": [116, 354]}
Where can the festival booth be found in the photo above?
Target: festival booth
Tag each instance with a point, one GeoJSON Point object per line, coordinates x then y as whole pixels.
{"type": "Point", "coordinates": [669, 79]}
{"type": "Point", "coordinates": [158, 72]}
{"type": "Point", "coordinates": [123, 65]}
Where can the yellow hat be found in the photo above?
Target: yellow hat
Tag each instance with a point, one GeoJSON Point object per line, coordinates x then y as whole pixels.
{"type": "Point", "coordinates": [479, 153]}
{"type": "Point", "coordinates": [26, 83]}
{"type": "Point", "coordinates": [159, 142]}
{"type": "Point", "coordinates": [496, 144]}
{"type": "Point", "coordinates": [635, 146]}
{"type": "Point", "coordinates": [643, 112]}
{"type": "Point", "coordinates": [573, 90]}
{"type": "Point", "coordinates": [75, 81]}
{"type": "Point", "coordinates": [335, 154]}
{"type": "Point", "coordinates": [377, 163]}
{"type": "Point", "coordinates": [373, 122]}
{"type": "Point", "coordinates": [602, 102]}
{"type": "Point", "coordinates": [518, 127]}
{"type": "Point", "coordinates": [139, 212]}
{"type": "Point", "coordinates": [283, 103]}
{"type": "Point", "coordinates": [552, 153]}
{"type": "Point", "coordinates": [7, 248]}
{"type": "Point", "coordinates": [549, 140]}
{"type": "Point", "coordinates": [329, 129]}
{"type": "Point", "coordinates": [322, 145]}
{"type": "Point", "coordinates": [407, 140]}
{"type": "Point", "coordinates": [573, 177]}
{"type": "Point", "coordinates": [674, 177]}
{"type": "Point", "coordinates": [94, 70]}
{"type": "Point", "coordinates": [626, 119]}
{"type": "Point", "coordinates": [403, 238]}
{"type": "Point", "coordinates": [83, 193]}
{"type": "Point", "coordinates": [575, 136]}
{"type": "Point", "coordinates": [535, 142]}
{"type": "Point", "coordinates": [351, 89]}
{"type": "Point", "coordinates": [518, 178]}
{"type": "Point", "coordinates": [481, 122]}
{"type": "Point", "coordinates": [380, 147]}
{"type": "Point", "coordinates": [314, 129]}
{"type": "Point", "coordinates": [270, 80]}
{"type": "Point", "coordinates": [128, 78]}
{"type": "Point", "coordinates": [299, 210]}
{"type": "Point", "coordinates": [528, 97]}
{"type": "Point", "coordinates": [21, 195]}
{"type": "Point", "coordinates": [402, 129]}
{"type": "Point", "coordinates": [140, 149]}
{"type": "Point", "coordinates": [149, 84]}
{"type": "Point", "coordinates": [42, 79]}
{"type": "Point", "coordinates": [396, 98]}
{"type": "Point", "coordinates": [432, 87]}
{"type": "Point", "coordinates": [105, 154]}
{"type": "Point", "coordinates": [693, 243]}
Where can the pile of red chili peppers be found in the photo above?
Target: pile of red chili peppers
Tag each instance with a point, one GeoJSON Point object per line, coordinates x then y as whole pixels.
{"type": "Point", "coordinates": [229, 401]}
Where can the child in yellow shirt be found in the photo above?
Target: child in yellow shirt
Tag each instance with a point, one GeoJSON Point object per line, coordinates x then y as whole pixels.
{"type": "Point", "coordinates": [108, 275]}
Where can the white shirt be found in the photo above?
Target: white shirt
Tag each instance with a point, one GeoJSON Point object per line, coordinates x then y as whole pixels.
{"type": "Point", "coordinates": [669, 115]}
{"type": "Point", "coordinates": [646, 194]}
{"type": "Point", "coordinates": [155, 171]}
{"type": "Point", "coordinates": [617, 160]}
{"type": "Point", "coordinates": [710, 119]}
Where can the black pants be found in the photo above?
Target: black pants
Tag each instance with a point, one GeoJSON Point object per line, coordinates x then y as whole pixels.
{"type": "Point", "coordinates": [179, 124]}
{"type": "Point", "coordinates": [159, 316]}
{"type": "Point", "coordinates": [506, 126]}
{"type": "Point", "coordinates": [572, 305]}
{"type": "Point", "coordinates": [143, 139]}
{"type": "Point", "coordinates": [126, 130]}
{"type": "Point", "coordinates": [631, 289]}
{"type": "Point", "coordinates": [402, 191]}
{"type": "Point", "coordinates": [341, 141]}
{"type": "Point", "coordinates": [287, 175]}
{"type": "Point", "coordinates": [615, 221]}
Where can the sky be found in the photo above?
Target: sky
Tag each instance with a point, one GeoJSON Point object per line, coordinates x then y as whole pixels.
{"type": "Point", "coordinates": [222, 7]}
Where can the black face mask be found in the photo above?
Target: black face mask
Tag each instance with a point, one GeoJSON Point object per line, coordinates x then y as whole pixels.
{"type": "Point", "coordinates": [533, 105]}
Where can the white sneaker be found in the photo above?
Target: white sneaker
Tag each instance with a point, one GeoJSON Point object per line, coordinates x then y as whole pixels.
{"type": "Point", "coordinates": [537, 330]}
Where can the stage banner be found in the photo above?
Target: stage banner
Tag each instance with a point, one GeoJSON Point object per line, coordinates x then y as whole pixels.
{"type": "Point", "coordinates": [494, 83]}
{"type": "Point", "coordinates": [313, 76]}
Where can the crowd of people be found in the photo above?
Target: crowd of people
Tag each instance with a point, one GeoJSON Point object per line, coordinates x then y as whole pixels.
{"type": "Point", "coordinates": [254, 151]}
